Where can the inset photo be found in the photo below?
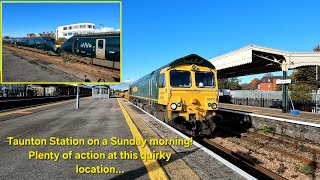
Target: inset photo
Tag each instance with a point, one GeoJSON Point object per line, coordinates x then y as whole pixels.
{"type": "Point", "coordinates": [57, 42]}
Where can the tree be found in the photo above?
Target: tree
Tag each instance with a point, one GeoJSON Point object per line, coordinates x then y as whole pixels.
{"type": "Point", "coordinates": [305, 81]}
{"type": "Point", "coordinates": [6, 37]}
{"type": "Point", "coordinates": [61, 40]}
{"type": "Point", "coordinates": [253, 85]}
{"type": "Point", "coordinates": [301, 92]}
{"type": "Point", "coordinates": [230, 83]}
{"type": "Point", "coordinates": [317, 48]}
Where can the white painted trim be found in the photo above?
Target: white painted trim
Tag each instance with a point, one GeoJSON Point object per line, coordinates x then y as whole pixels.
{"type": "Point", "coordinates": [212, 154]}
{"type": "Point", "coordinates": [273, 118]}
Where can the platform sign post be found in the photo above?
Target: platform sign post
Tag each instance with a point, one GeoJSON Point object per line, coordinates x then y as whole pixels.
{"type": "Point", "coordinates": [77, 98]}
{"type": "Point", "coordinates": [285, 92]}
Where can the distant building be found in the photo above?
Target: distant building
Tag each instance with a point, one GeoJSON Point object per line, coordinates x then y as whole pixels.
{"type": "Point", "coordinates": [70, 30]}
{"type": "Point", "coordinates": [268, 83]}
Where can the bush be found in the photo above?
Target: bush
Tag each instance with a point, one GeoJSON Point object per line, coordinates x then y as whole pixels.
{"type": "Point", "coordinates": [61, 40]}
{"type": "Point", "coordinates": [305, 169]}
{"type": "Point", "coordinates": [301, 92]}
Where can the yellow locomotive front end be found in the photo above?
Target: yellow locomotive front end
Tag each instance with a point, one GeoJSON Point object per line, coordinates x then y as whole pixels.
{"type": "Point", "coordinates": [190, 95]}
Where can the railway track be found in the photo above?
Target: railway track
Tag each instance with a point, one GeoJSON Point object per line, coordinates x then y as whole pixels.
{"type": "Point", "coordinates": [259, 165]}
{"type": "Point", "coordinates": [275, 155]}
{"type": "Point", "coordinates": [252, 167]}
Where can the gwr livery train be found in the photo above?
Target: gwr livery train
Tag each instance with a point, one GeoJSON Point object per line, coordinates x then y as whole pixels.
{"type": "Point", "coordinates": [100, 49]}
{"type": "Point", "coordinates": [183, 93]}
{"type": "Point", "coordinates": [47, 44]}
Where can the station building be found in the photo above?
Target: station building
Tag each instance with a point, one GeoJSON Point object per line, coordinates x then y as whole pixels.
{"type": "Point", "coordinates": [70, 30]}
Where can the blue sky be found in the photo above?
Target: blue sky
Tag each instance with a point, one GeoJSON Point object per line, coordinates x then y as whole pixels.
{"type": "Point", "coordinates": [21, 19]}
{"type": "Point", "coordinates": [157, 32]}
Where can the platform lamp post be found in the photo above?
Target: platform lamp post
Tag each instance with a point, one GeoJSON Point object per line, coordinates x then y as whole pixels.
{"type": "Point", "coordinates": [77, 98]}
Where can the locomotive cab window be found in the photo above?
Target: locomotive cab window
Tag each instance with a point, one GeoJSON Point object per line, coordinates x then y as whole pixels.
{"type": "Point", "coordinates": [180, 78]}
{"type": "Point", "coordinates": [204, 79]}
{"type": "Point", "coordinates": [161, 81]}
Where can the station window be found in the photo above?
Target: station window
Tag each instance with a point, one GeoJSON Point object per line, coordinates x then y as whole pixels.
{"type": "Point", "coordinates": [89, 26]}
{"type": "Point", "coordinates": [75, 33]}
{"type": "Point", "coordinates": [70, 27]}
{"type": "Point", "coordinates": [94, 27]}
{"type": "Point", "coordinates": [64, 34]}
{"type": "Point", "coordinates": [75, 27]}
{"type": "Point", "coordinates": [69, 34]}
{"type": "Point", "coordinates": [65, 28]}
{"type": "Point", "coordinates": [100, 44]}
{"type": "Point", "coordinates": [161, 81]}
{"type": "Point", "coordinates": [82, 26]}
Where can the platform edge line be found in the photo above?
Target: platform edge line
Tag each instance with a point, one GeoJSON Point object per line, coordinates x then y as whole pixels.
{"type": "Point", "coordinates": [154, 169]}
{"type": "Point", "coordinates": [274, 118]}
{"type": "Point", "coordinates": [212, 154]}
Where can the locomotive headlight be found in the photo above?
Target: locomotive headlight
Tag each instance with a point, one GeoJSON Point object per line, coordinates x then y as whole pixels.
{"type": "Point", "coordinates": [214, 106]}
{"type": "Point", "coordinates": [173, 106]}
{"type": "Point", "coordinates": [179, 104]}
{"type": "Point", "coordinates": [194, 67]}
{"type": "Point", "coordinates": [209, 104]}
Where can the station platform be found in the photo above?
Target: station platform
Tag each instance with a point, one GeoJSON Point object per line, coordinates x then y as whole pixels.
{"type": "Point", "coordinates": [303, 116]}
{"type": "Point", "coordinates": [101, 118]}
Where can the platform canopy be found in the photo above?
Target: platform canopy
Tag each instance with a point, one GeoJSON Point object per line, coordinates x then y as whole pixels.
{"type": "Point", "coordinates": [254, 59]}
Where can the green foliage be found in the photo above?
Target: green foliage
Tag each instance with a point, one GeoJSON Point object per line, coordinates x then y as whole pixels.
{"type": "Point", "coordinates": [307, 75]}
{"type": "Point", "coordinates": [301, 92]}
{"type": "Point", "coordinates": [230, 83]}
{"type": "Point", "coordinates": [253, 85]}
{"type": "Point", "coordinates": [305, 169]}
{"type": "Point", "coordinates": [317, 48]}
{"type": "Point", "coordinates": [267, 129]}
{"type": "Point", "coordinates": [6, 37]}
{"type": "Point", "coordinates": [303, 147]}
{"type": "Point", "coordinates": [61, 40]}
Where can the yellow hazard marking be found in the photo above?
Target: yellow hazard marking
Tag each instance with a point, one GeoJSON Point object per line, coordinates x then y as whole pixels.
{"type": "Point", "coordinates": [154, 169]}
{"type": "Point", "coordinates": [23, 111]}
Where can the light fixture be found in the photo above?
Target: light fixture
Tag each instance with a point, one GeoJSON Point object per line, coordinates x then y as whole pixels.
{"type": "Point", "coordinates": [173, 106]}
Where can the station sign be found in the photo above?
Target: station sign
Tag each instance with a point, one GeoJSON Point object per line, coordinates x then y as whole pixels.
{"type": "Point", "coordinates": [283, 81]}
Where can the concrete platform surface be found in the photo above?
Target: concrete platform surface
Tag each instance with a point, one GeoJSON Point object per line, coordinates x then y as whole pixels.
{"type": "Point", "coordinates": [95, 119]}
{"type": "Point", "coordinates": [99, 118]}
{"type": "Point", "coordinates": [27, 69]}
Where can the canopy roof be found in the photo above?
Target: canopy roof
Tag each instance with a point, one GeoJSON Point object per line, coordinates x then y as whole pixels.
{"type": "Point", "coordinates": [254, 59]}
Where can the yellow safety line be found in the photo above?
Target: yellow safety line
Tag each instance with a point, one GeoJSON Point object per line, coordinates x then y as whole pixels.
{"type": "Point", "coordinates": [33, 108]}
{"type": "Point", "coordinates": [154, 169]}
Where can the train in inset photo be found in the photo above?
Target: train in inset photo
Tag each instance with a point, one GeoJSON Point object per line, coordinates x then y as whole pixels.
{"type": "Point", "coordinates": [88, 52]}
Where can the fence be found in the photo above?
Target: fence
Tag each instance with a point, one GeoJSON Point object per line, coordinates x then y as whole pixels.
{"type": "Point", "coordinates": [262, 102]}
{"type": "Point", "coordinates": [269, 95]}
